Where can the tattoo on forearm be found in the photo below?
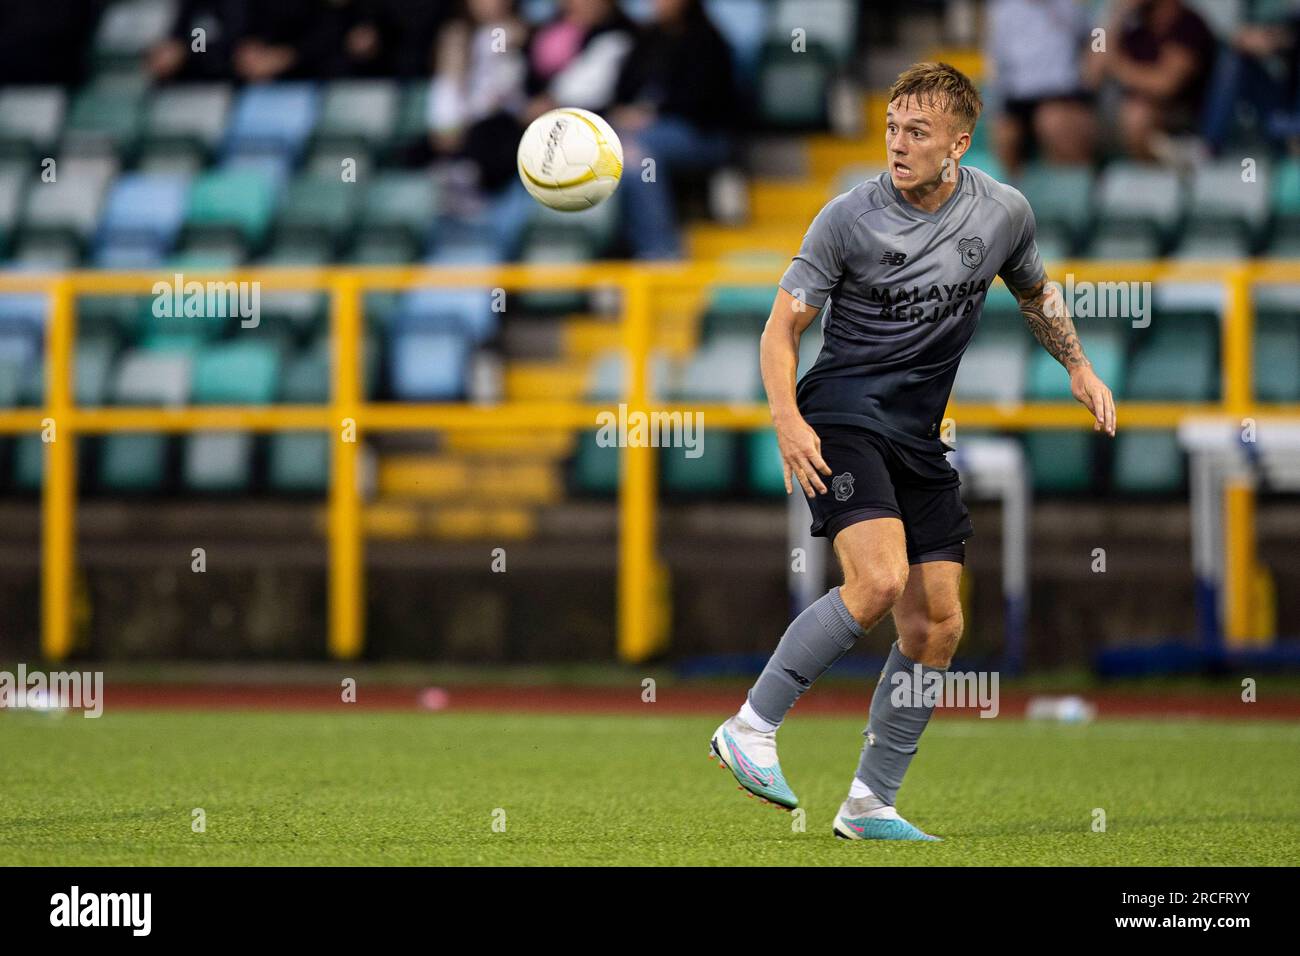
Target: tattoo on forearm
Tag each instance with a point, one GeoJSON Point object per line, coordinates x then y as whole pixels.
{"type": "Point", "coordinates": [1049, 320]}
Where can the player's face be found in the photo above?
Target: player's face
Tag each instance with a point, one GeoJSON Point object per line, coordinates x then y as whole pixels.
{"type": "Point", "coordinates": [919, 138]}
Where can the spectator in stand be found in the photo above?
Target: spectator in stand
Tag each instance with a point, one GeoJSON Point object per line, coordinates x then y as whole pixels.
{"type": "Point", "coordinates": [676, 102]}
{"type": "Point", "coordinates": [214, 27]}
{"type": "Point", "coordinates": [295, 39]}
{"type": "Point", "coordinates": [1160, 54]}
{"type": "Point", "coordinates": [1036, 47]}
{"type": "Point", "coordinates": [1260, 68]}
{"type": "Point", "coordinates": [395, 37]}
{"type": "Point", "coordinates": [45, 41]}
{"type": "Point", "coordinates": [574, 60]}
{"type": "Point", "coordinates": [477, 92]}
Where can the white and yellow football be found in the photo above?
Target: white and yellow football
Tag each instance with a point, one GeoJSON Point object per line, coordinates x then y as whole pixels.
{"type": "Point", "coordinates": [570, 159]}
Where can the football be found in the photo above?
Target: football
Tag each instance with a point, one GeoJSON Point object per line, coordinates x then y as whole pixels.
{"type": "Point", "coordinates": [570, 159]}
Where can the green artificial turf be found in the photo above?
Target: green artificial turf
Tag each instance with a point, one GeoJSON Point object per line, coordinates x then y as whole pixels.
{"type": "Point", "coordinates": [373, 788]}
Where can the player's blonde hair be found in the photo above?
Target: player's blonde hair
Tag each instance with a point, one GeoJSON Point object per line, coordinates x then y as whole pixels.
{"type": "Point", "coordinates": [942, 86]}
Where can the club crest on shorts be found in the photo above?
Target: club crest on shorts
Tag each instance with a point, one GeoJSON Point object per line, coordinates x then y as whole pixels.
{"type": "Point", "coordinates": [972, 252]}
{"type": "Point", "coordinates": [842, 485]}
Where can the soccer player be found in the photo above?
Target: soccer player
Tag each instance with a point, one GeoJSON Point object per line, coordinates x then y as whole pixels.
{"type": "Point", "coordinates": [905, 261]}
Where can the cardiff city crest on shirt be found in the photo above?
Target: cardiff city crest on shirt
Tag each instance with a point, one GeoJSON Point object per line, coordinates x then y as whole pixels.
{"type": "Point", "coordinates": [842, 485]}
{"type": "Point", "coordinates": [972, 252]}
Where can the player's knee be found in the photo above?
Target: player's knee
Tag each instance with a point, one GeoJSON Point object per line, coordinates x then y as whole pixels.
{"type": "Point", "coordinates": [870, 592]}
{"type": "Point", "coordinates": [931, 637]}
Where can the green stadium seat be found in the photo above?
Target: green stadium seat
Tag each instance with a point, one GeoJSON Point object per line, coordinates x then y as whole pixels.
{"type": "Point", "coordinates": [299, 462]}
{"type": "Point", "coordinates": [1176, 359]}
{"type": "Point", "coordinates": [209, 251]}
{"type": "Point", "coordinates": [325, 160]}
{"type": "Point", "coordinates": [402, 202]}
{"type": "Point", "coordinates": [1286, 196]}
{"type": "Point", "coordinates": [1277, 357]}
{"type": "Point", "coordinates": [1205, 240]}
{"type": "Point", "coordinates": [764, 472]}
{"type": "Point", "coordinates": [235, 373]}
{"type": "Point", "coordinates": [1121, 241]}
{"type": "Point", "coordinates": [792, 86]}
{"type": "Point", "coordinates": [31, 119]}
{"type": "Point", "coordinates": [994, 366]}
{"type": "Point", "coordinates": [171, 159]}
{"type": "Point", "coordinates": [1060, 460]}
{"type": "Point", "coordinates": [1105, 345]}
{"type": "Point", "coordinates": [712, 473]}
{"type": "Point", "coordinates": [1148, 462]}
{"type": "Point", "coordinates": [725, 369]}
{"type": "Point", "coordinates": [1061, 197]}
{"type": "Point", "coordinates": [568, 247]}
{"type": "Point", "coordinates": [595, 467]}
{"type": "Point", "coordinates": [382, 248]}
{"type": "Point", "coordinates": [13, 183]}
{"type": "Point", "coordinates": [412, 115]}
{"type": "Point", "coordinates": [318, 206]}
{"type": "Point", "coordinates": [238, 200]}
{"type": "Point", "coordinates": [29, 463]}
{"type": "Point", "coordinates": [105, 118]}
{"type": "Point", "coordinates": [298, 250]}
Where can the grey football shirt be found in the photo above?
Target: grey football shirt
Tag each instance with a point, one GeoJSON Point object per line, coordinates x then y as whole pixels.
{"type": "Point", "coordinates": [906, 289]}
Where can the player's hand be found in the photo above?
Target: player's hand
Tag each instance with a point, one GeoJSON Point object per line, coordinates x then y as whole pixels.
{"type": "Point", "coordinates": [1093, 394]}
{"type": "Point", "coordinates": [801, 455]}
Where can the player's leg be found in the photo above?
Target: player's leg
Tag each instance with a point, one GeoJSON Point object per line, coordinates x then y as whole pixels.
{"type": "Point", "coordinates": [860, 515]}
{"type": "Point", "coordinates": [928, 618]}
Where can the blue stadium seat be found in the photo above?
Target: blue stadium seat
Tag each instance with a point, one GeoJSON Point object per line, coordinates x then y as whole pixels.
{"type": "Point", "coordinates": [277, 119]}
{"type": "Point", "coordinates": [468, 311]}
{"type": "Point", "coordinates": [145, 210]}
{"type": "Point", "coordinates": [429, 365]}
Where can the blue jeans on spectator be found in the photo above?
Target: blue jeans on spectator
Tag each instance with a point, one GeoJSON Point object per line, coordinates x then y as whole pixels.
{"type": "Point", "coordinates": [1239, 78]}
{"type": "Point", "coordinates": [649, 220]}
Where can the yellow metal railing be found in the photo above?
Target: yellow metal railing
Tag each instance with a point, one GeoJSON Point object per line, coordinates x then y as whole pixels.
{"type": "Point", "coordinates": [642, 628]}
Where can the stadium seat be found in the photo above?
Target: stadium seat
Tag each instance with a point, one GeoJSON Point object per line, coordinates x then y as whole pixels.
{"type": "Point", "coordinates": [273, 119]}
{"type": "Point", "coordinates": [724, 369]}
{"type": "Point", "coordinates": [13, 183]}
{"type": "Point", "coordinates": [236, 373]}
{"type": "Point", "coordinates": [1103, 341]}
{"type": "Point", "coordinates": [429, 364]}
{"type": "Point", "coordinates": [1132, 197]}
{"type": "Point", "coordinates": [596, 467]}
{"type": "Point", "coordinates": [1277, 357]}
{"type": "Point", "coordinates": [830, 23]}
{"type": "Point", "coordinates": [31, 119]}
{"type": "Point", "coordinates": [298, 462]}
{"type": "Point", "coordinates": [412, 116]}
{"type": "Point", "coordinates": [764, 473]}
{"type": "Point", "coordinates": [71, 204]}
{"type": "Point", "coordinates": [318, 206]}
{"type": "Point", "coordinates": [1060, 460]}
{"type": "Point", "coordinates": [1061, 197]}
{"type": "Point", "coordinates": [326, 160]}
{"type": "Point", "coordinates": [364, 110]}
{"type": "Point", "coordinates": [136, 461]}
{"type": "Point", "coordinates": [105, 119]}
{"type": "Point", "coordinates": [541, 248]}
{"type": "Point", "coordinates": [129, 28]}
{"type": "Point", "coordinates": [712, 473]}
{"type": "Point", "coordinates": [1176, 359]}
{"type": "Point", "coordinates": [1148, 462]}
{"type": "Point", "coordinates": [242, 201]}
{"type": "Point", "coordinates": [191, 115]}
{"type": "Point", "coordinates": [1222, 201]}
{"type": "Point", "coordinates": [144, 209]}
{"type": "Point", "coordinates": [744, 25]}
{"type": "Point", "coordinates": [994, 367]}
{"type": "Point", "coordinates": [792, 86]}
{"type": "Point", "coordinates": [466, 311]}
{"type": "Point", "coordinates": [400, 202]}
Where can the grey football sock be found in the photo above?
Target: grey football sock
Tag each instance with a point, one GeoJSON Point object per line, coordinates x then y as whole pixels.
{"type": "Point", "coordinates": [893, 729]}
{"type": "Point", "coordinates": [815, 640]}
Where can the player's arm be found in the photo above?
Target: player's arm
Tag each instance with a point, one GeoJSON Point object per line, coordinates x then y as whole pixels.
{"type": "Point", "coordinates": [1044, 310]}
{"type": "Point", "coordinates": [779, 359]}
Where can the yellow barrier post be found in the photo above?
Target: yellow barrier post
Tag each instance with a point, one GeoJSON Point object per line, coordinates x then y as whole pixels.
{"type": "Point", "coordinates": [1239, 491]}
{"type": "Point", "coordinates": [346, 600]}
{"type": "Point", "coordinates": [59, 494]}
{"type": "Point", "coordinates": [637, 636]}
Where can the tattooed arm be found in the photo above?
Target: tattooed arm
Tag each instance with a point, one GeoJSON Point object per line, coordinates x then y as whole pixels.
{"type": "Point", "coordinates": [1044, 310]}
